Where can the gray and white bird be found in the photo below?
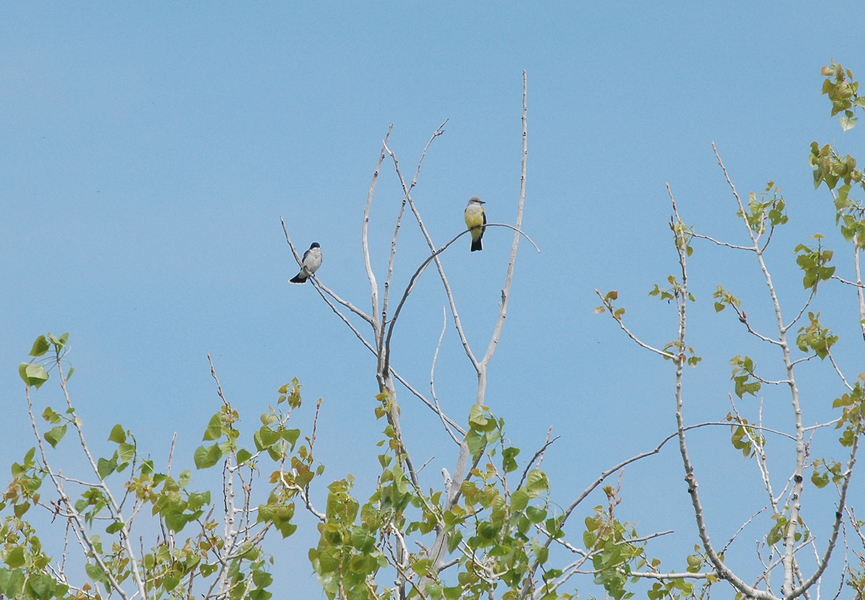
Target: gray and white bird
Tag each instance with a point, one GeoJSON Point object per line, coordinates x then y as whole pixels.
{"type": "Point", "coordinates": [309, 264]}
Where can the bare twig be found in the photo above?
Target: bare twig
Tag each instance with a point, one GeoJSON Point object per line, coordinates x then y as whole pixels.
{"type": "Point", "coordinates": [824, 561]}
{"type": "Point", "coordinates": [174, 439]}
{"type": "Point", "coordinates": [719, 243]}
{"type": "Point", "coordinates": [742, 528]}
{"type": "Point", "coordinates": [802, 310]}
{"type": "Point", "coordinates": [412, 282]}
{"type": "Point", "coordinates": [506, 292]}
{"type": "Point", "coordinates": [459, 475]}
{"type": "Point", "coordinates": [668, 576]}
{"type": "Point", "coordinates": [628, 332]}
{"type": "Point", "coordinates": [717, 563]}
{"type": "Point", "coordinates": [539, 453]}
{"type": "Point", "coordinates": [365, 242]}
{"type": "Point", "coordinates": [821, 425]}
{"type": "Point", "coordinates": [384, 311]}
{"type": "Point", "coordinates": [432, 248]}
{"type": "Point", "coordinates": [838, 370]}
{"type": "Point", "coordinates": [848, 282]}
{"type": "Point", "coordinates": [432, 383]}
{"type": "Point", "coordinates": [804, 359]}
{"type": "Point", "coordinates": [759, 452]}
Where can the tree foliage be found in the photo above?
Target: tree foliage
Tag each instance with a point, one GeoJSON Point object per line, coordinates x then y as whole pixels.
{"type": "Point", "coordinates": [491, 528]}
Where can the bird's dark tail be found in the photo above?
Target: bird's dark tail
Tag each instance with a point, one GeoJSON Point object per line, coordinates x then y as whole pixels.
{"type": "Point", "coordinates": [477, 245]}
{"type": "Point", "coordinates": [299, 278]}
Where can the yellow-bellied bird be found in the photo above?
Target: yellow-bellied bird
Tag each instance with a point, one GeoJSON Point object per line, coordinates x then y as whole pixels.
{"type": "Point", "coordinates": [309, 265]}
{"type": "Point", "coordinates": [476, 221]}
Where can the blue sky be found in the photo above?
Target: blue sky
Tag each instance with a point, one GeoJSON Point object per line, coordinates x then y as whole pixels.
{"type": "Point", "coordinates": [149, 151]}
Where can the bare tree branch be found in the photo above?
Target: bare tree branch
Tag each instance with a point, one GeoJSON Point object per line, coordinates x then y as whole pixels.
{"type": "Point", "coordinates": [717, 563]}
{"type": "Point", "coordinates": [432, 383]}
{"type": "Point", "coordinates": [719, 243]}
{"type": "Point", "coordinates": [628, 332]}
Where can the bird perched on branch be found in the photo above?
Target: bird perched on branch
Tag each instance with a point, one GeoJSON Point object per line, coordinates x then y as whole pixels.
{"type": "Point", "coordinates": [476, 221]}
{"type": "Point", "coordinates": [309, 264]}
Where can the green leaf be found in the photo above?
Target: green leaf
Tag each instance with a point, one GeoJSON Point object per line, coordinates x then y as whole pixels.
{"type": "Point", "coordinates": [184, 478]}
{"type": "Point", "coordinates": [261, 578]}
{"type": "Point", "coordinates": [118, 434]}
{"type": "Point", "coordinates": [816, 337]}
{"type": "Point", "coordinates": [422, 566]}
{"type": "Point", "coordinates": [114, 527]}
{"type": "Point", "coordinates": [259, 594]}
{"type": "Point", "coordinates": [214, 428]}
{"type": "Point", "coordinates": [170, 582]}
{"type": "Point", "coordinates": [15, 557]}
{"type": "Point", "coordinates": [267, 437]}
{"type": "Point", "coordinates": [42, 585]}
{"type": "Point", "coordinates": [176, 520]}
{"type": "Point", "coordinates": [541, 552]}
{"type": "Point", "coordinates": [40, 346]}
{"type": "Point", "coordinates": [34, 375]}
{"type": "Point", "coordinates": [477, 419]}
{"type": "Point", "coordinates": [519, 500]}
{"type": "Point", "coordinates": [286, 529]}
{"type": "Point", "coordinates": [94, 572]}
{"type": "Point", "coordinates": [106, 467]}
{"type": "Point", "coordinates": [291, 435]}
{"type": "Point", "coordinates": [328, 560]}
{"type": "Point", "coordinates": [359, 538]}
{"type": "Point", "coordinates": [198, 499]}
{"type": "Point", "coordinates": [454, 541]}
{"type": "Point", "coordinates": [509, 463]}
{"type": "Point", "coordinates": [553, 526]}
{"type": "Point", "coordinates": [537, 483]}
{"type": "Point", "coordinates": [475, 442]}
{"type": "Point", "coordinates": [126, 452]}
{"type": "Point", "coordinates": [12, 582]}
{"type": "Point", "coordinates": [243, 455]}
{"type": "Point", "coordinates": [55, 434]}
{"type": "Point", "coordinates": [847, 121]}
{"type": "Point", "coordinates": [535, 514]}
{"type": "Point", "coordinates": [49, 415]}
{"type": "Point", "coordinates": [777, 532]}
{"type": "Point", "coordinates": [819, 480]}
{"type": "Point", "coordinates": [207, 457]}
{"type": "Point", "coordinates": [453, 593]}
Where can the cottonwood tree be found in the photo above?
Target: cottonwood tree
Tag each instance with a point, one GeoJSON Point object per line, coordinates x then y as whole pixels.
{"type": "Point", "coordinates": [489, 525]}
{"type": "Point", "coordinates": [782, 550]}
